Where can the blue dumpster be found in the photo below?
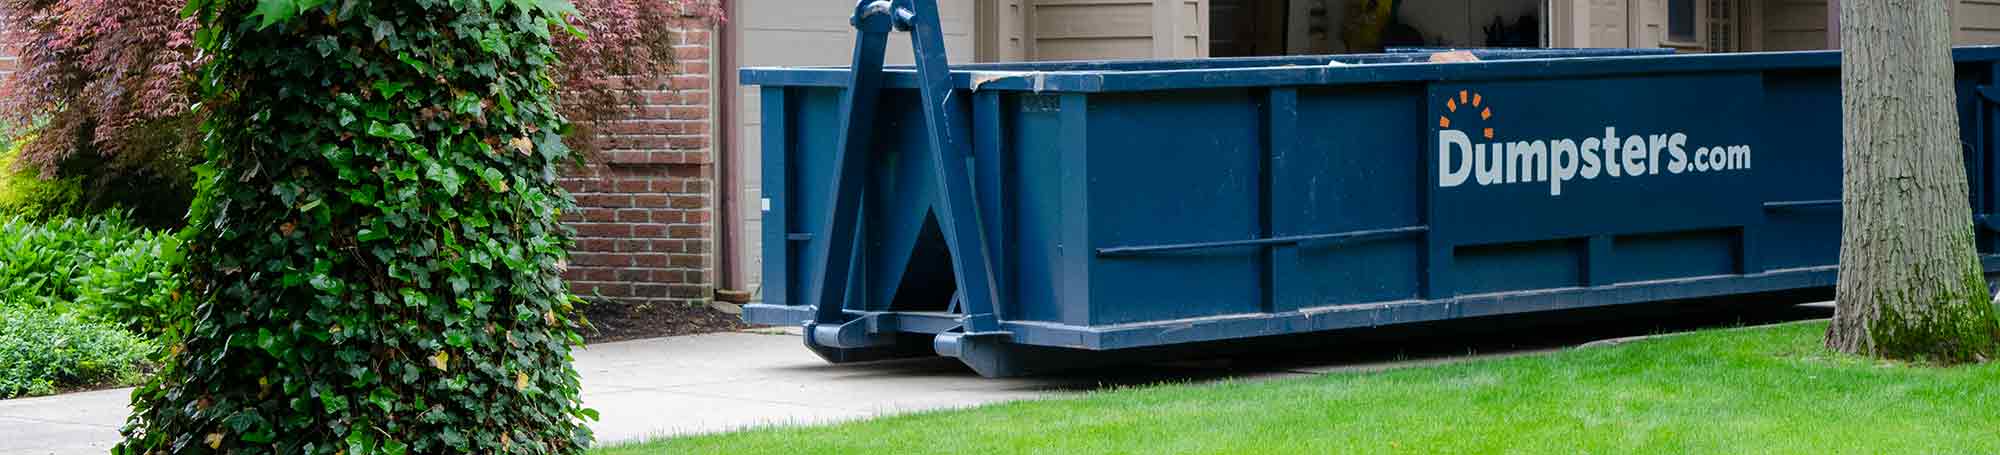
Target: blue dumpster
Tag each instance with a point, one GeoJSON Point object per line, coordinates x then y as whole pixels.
{"type": "Point", "coordinates": [1028, 215]}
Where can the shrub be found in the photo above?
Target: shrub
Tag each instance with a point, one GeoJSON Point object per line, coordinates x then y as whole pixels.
{"type": "Point", "coordinates": [374, 251]}
{"type": "Point", "coordinates": [100, 268]}
{"type": "Point", "coordinates": [25, 192]}
{"type": "Point", "coordinates": [43, 351]}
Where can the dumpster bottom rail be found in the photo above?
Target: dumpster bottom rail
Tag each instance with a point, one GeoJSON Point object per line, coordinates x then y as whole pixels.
{"type": "Point", "coordinates": [1027, 347]}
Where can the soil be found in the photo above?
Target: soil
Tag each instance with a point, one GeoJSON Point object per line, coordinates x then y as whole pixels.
{"type": "Point", "coordinates": [619, 322]}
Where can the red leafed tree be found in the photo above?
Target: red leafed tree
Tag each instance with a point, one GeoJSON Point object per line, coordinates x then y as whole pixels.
{"type": "Point", "coordinates": [105, 87]}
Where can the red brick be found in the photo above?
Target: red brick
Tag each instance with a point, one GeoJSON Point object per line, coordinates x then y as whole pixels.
{"type": "Point", "coordinates": [688, 291]}
{"type": "Point", "coordinates": [690, 52]}
{"type": "Point", "coordinates": [582, 259]}
{"type": "Point", "coordinates": [603, 230]}
{"type": "Point", "coordinates": [649, 230]}
{"type": "Point", "coordinates": [670, 246]}
{"type": "Point", "coordinates": [689, 202]}
{"type": "Point", "coordinates": [652, 290]}
{"type": "Point", "coordinates": [598, 215]}
{"type": "Point", "coordinates": [634, 215]}
{"type": "Point", "coordinates": [634, 275]}
{"type": "Point", "coordinates": [687, 112]}
{"type": "Point", "coordinates": [634, 245]}
{"type": "Point", "coordinates": [669, 276]}
{"type": "Point", "coordinates": [687, 142]}
{"type": "Point", "coordinates": [652, 260]}
{"type": "Point", "coordinates": [604, 200]}
{"type": "Point", "coordinates": [595, 244]}
{"type": "Point", "coordinates": [651, 200]}
{"type": "Point", "coordinates": [687, 231]}
{"type": "Point", "coordinates": [602, 289]}
{"type": "Point", "coordinates": [592, 273]}
{"type": "Point", "coordinates": [669, 216]}
{"type": "Point", "coordinates": [687, 260]}
{"type": "Point", "coordinates": [696, 216]}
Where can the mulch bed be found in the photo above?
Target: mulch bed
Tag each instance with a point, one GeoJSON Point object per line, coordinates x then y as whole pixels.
{"type": "Point", "coordinates": [618, 322]}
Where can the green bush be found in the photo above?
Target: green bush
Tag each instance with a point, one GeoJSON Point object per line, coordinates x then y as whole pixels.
{"type": "Point", "coordinates": [43, 351]}
{"type": "Point", "coordinates": [24, 193]}
{"type": "Point", "coordinates": [100, 268]}
{"type": "Point", "coordinates": [374, 252]}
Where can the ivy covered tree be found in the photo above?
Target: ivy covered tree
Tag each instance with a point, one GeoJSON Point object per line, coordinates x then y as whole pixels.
{"type": "Point", "coordinates": [374, 246]}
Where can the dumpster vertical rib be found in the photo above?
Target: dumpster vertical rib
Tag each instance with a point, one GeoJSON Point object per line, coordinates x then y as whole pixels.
{"type": "Point", "coordinates": [856, 131]}
{"type": "Point", "coordinates": [993, 170]}
{"type": "Point", "coordinates": [1437, 248]}
{"type": "Point", "coordinates": [1597, 261]}
{"type": "Point", "coordinates": [1072, 137]}
{"type": "Point", "coordinates": [1278, 201]}
{"type": "Point", "coordinates": [945, 119]}
{"type": "Point", "coordinates": [776, 201]}
{"type": "Point", "coordinates": [1990, 134]}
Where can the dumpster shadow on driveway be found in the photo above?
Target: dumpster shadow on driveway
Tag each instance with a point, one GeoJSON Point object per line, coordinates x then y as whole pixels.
{"type": "Point", "coordinates": [1373, 349]}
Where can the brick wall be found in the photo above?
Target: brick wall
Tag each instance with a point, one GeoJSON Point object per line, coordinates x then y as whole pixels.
{"type": "Point", "coordinates": [645, 217]}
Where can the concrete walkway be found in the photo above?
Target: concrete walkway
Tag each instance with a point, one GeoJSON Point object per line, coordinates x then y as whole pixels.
{"type": "Point", "coordinates": [718, 382]}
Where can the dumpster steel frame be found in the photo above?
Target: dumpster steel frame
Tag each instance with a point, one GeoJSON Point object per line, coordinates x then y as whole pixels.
{"type": "Point", "coordinates": [963, 124]}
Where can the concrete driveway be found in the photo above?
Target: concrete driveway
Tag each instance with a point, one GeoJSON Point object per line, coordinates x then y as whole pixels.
{"type": "Point", "coordinates": [718, 382]}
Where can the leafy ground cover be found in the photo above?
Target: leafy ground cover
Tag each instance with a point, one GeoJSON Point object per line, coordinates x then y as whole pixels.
{"type": "Point", "coordinates": [80, 301]}
{"type": "Point", "coordinates": [1761, 390]}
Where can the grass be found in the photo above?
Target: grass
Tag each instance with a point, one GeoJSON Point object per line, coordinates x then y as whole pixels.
{"type": "Point", "coordinates": [1761, 390]}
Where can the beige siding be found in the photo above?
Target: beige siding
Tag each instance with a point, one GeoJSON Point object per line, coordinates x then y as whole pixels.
{"type": "Point", "coordinates": [803, 33]}
{"type": "Point", "coordinates": [1791, 25]}
{"type": "Point", "coordinates": [1002, 31]}
{"type": "Point", "coordinates": [1113, 29]}
{"type": "Point", "coordinates": [1590, 23]}
{"type": "Point", "coordinates": [1977, 21]}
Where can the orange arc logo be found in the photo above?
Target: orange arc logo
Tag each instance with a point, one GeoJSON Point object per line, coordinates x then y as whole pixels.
{"type": "Point", "coordinates": [1469, 99]}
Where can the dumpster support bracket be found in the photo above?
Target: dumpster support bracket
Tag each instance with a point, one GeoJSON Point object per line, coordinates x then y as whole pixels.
{"type": "Point", "coordinates": [948, 130]}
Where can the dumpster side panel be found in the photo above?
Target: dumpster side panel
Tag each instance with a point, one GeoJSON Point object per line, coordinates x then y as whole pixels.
{"type": "Point", "coordinates": [1808, 146]}
{"type": "Point", "coordinates": [815, 114]}
{"type": "Point", "coordinates": [1354, 168]}
{"type": "Point", "coordinates": [1170, 168]}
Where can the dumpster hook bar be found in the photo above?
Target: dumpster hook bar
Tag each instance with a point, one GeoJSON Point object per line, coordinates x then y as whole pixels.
{"type": "Point", "coordinates": [1337, 237]}
{"type": "Point", "coordinates": [1785, 205]}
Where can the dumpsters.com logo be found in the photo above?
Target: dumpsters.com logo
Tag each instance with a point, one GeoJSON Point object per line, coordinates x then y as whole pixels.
{"type": "Point", "coordinates": [1559, 160]}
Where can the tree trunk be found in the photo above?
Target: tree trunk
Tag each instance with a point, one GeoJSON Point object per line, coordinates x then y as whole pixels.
{"type": "Point", "coordinates": [1910, 285]}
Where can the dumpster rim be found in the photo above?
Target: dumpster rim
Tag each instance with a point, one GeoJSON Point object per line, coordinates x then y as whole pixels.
{"type": "Point", "coordinates": [1100, 81]}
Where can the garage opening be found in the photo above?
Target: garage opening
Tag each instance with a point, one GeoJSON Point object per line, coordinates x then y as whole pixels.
{"type": "Point", "coordinates": [1245, 28]}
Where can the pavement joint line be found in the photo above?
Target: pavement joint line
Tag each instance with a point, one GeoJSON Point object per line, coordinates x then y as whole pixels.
{"type": "Point", "coordinates": [59, 422]}
{"type": "Point", "coordinates": [754, 400]}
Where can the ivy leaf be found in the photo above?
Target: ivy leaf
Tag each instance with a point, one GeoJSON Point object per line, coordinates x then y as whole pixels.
{"type": "Point", "coordinates": [494, 179]}
{"type": "Point", "coordinates": [441, 360]}
{"type": "Point", "coordinates": [414, 63]}
{"type": "Point", "coordinates": [308, 5]}
{"type": "Point", "coordinates": [383, 398]}
{"type": "Point", "coordinates": [397, 132]}
{"type": "Point", "coordinates": [263, 436]}
{"type": "Point", "coordinates": [390, 89]}
{"type": "Point", "coordinates": [274, 11]}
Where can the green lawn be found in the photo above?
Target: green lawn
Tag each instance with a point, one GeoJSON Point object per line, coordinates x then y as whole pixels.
{"type": "Point", "coordinates": [1762, 390]}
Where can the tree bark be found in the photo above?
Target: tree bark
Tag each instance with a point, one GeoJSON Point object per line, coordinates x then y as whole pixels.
{"type": "Point", "coordinates": [1910, 284]}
